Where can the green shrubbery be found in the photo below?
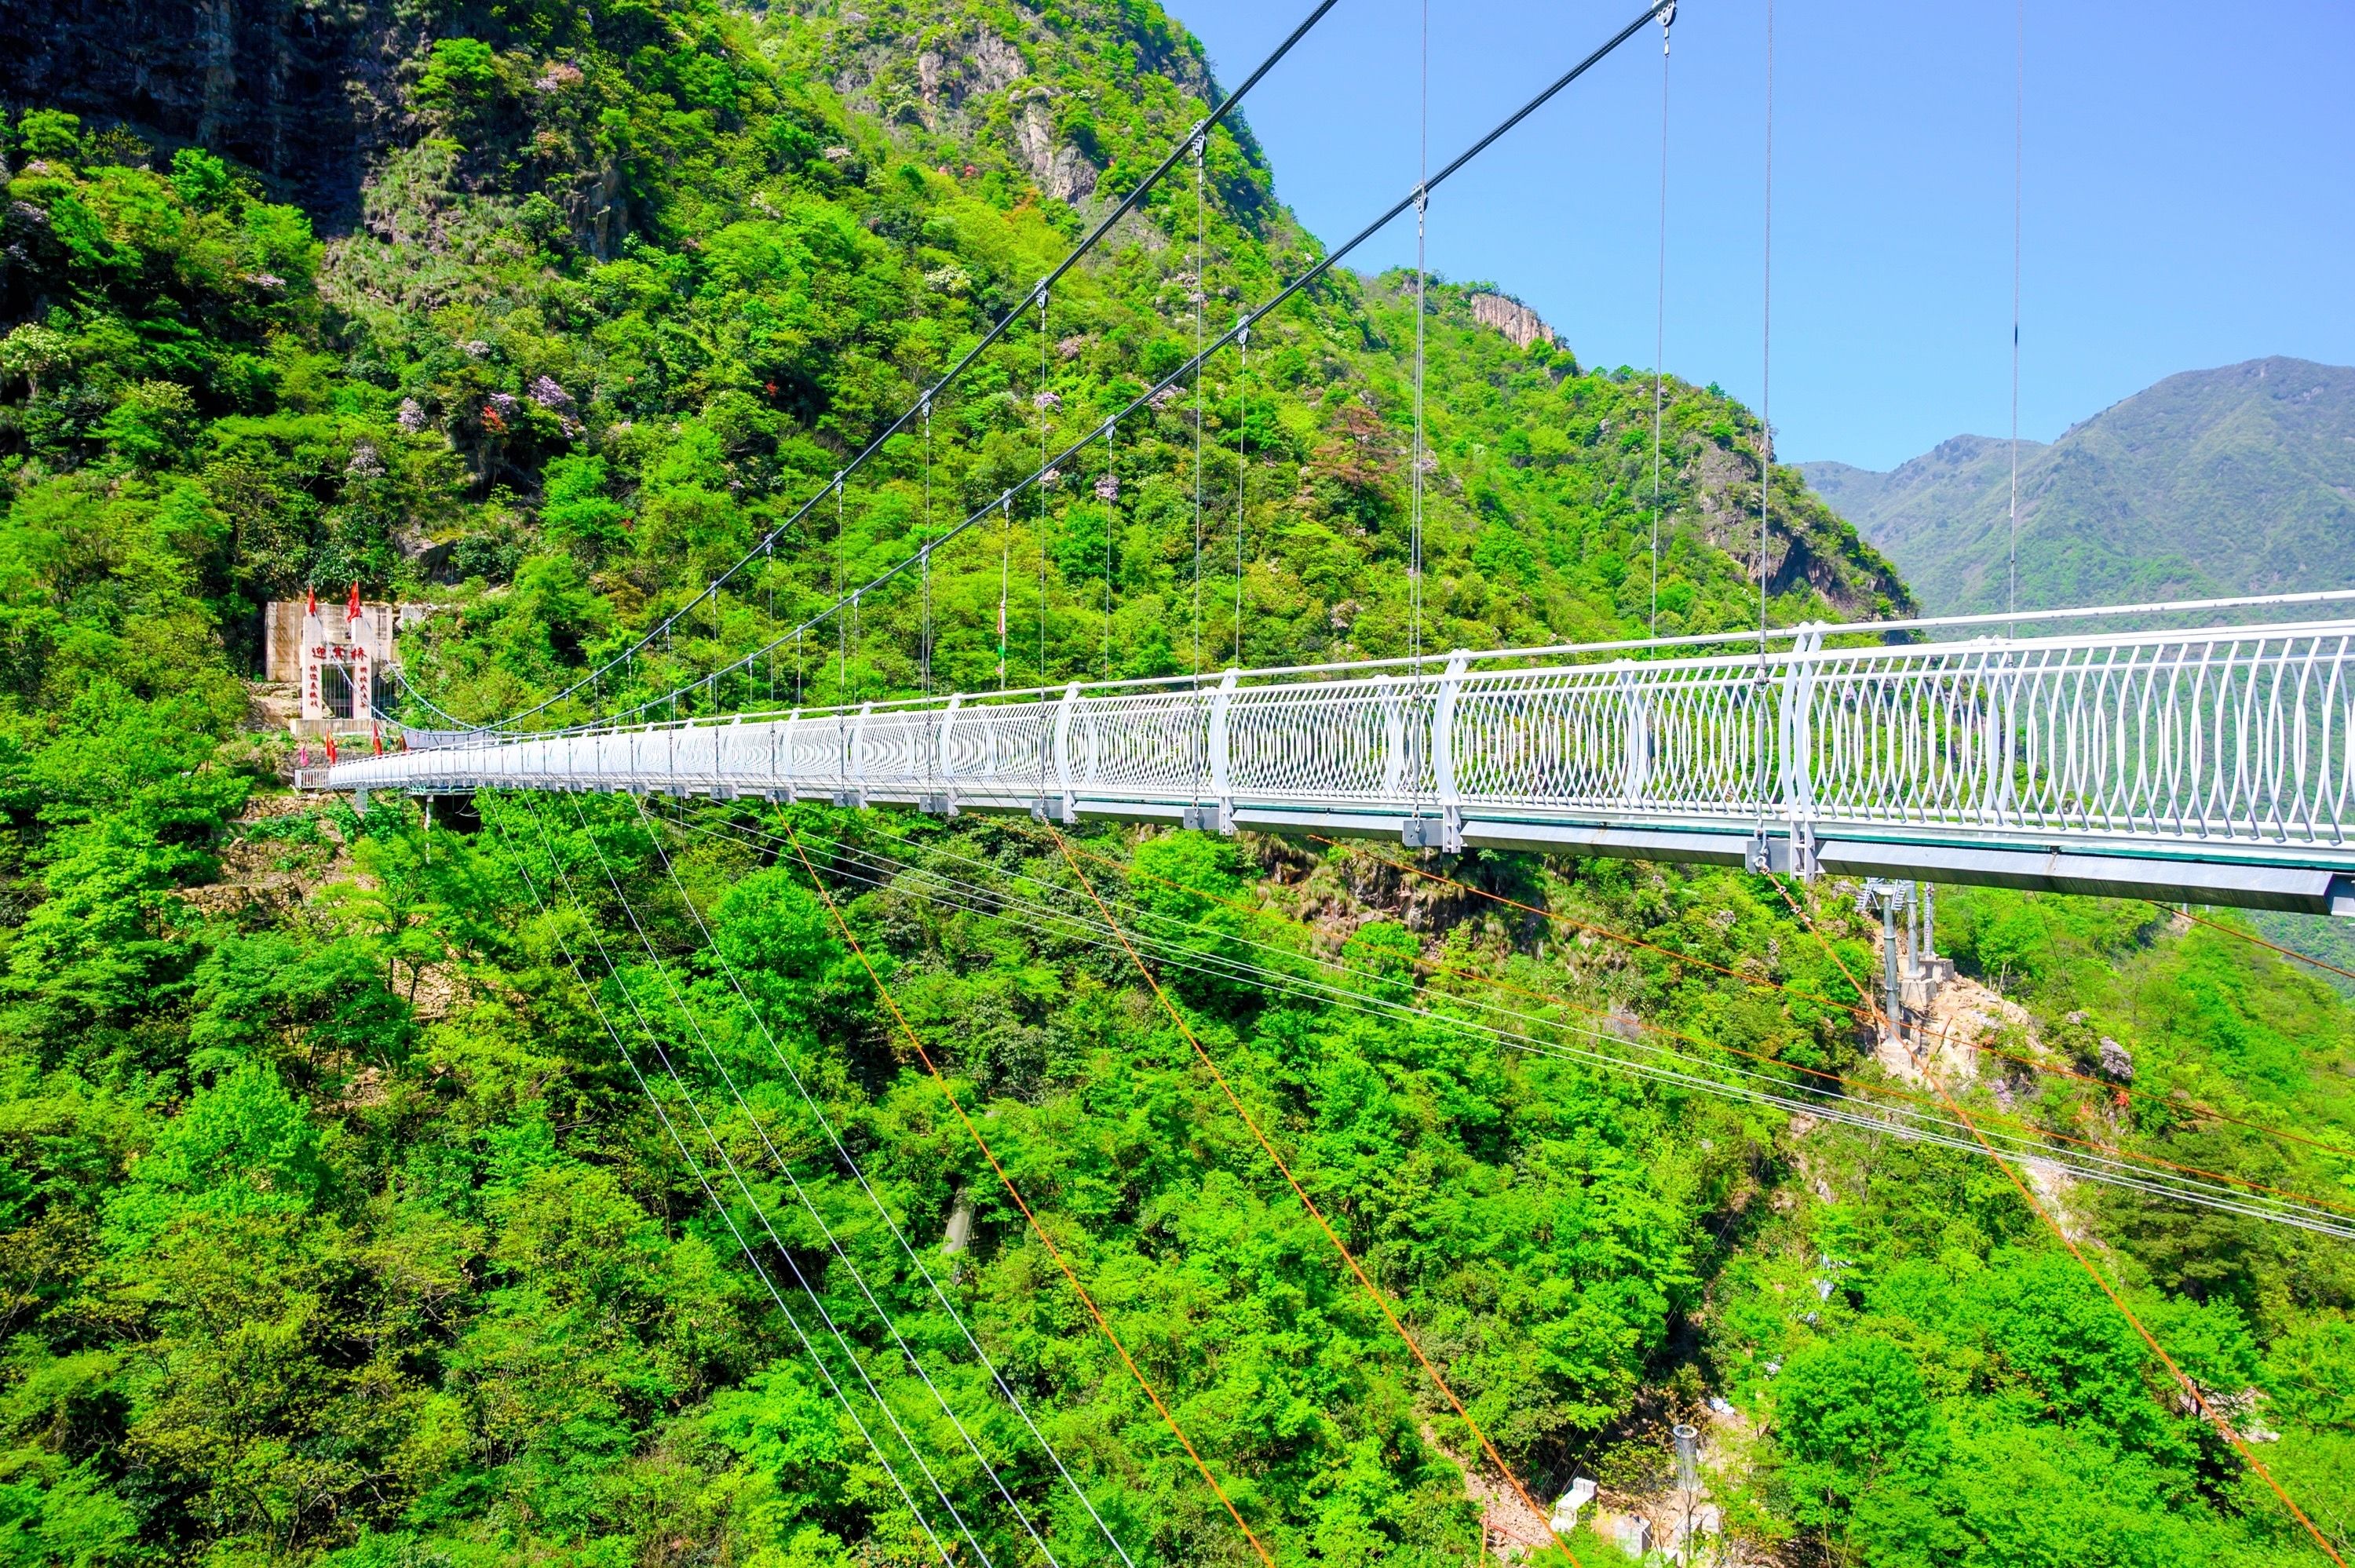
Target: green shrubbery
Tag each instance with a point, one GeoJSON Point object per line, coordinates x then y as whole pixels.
{"type": "Point", "coordinates": [336, 1227]}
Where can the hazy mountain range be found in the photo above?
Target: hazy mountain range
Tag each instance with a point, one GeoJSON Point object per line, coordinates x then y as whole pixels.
{"type": "Point", "coordinates": [2214, 482]}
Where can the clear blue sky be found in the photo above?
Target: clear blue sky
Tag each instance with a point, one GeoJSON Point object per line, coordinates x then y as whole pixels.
{"type": "Point", "coordinates": [2190, 191]}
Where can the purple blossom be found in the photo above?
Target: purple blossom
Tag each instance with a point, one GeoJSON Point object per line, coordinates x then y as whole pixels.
{"type": "Point", "coordinates": [505, 402]}
{"type": "Point", "coordinates": [411, 416]}
{"type": "Point", "coordinates": [1046, 400]}
{"type": "Point", "coordinates": [548, 395]}
{"type": "Point", "coordinates": [1108, 488]}
{"type": "Point", "coordinates": [365, 463]}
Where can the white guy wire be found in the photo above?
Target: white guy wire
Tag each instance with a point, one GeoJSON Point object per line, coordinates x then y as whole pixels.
{"type": "Point", "coordinates": [728, 1161]}
{"type": "Point", "coordinates": [679, 1001]}
{"type": "Point", "coordinates": [720, 1208]}
{"type": "Point", "coordinates": [2096, 1168]}
{"type": "Point", "coordinates": [875, 1200]}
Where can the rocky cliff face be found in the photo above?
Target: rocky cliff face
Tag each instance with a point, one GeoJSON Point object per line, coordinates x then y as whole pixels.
{"type": "Point", "coordinates": [1519, 323]}
{"type": "Point", "coordinates": [303, 92]}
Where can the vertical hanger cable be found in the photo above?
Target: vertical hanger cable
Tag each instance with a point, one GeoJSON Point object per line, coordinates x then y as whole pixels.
{"type": "Point", "coordinates": [2019, 121]}
{"type": "Point", "coordinates": [1421, 278]}
{"type": "Point", "coordinates": [1242, 466]}
{"type": "Point", "coordinates": [1202, 291]}
{"type": "Point", "coordinates": [924, 646]}
{"type": "Point", "coordinates": [1660, 318]}
{"type": "Point", "coordinates": [1109, 493]}
{"type": "Point", "coordinates": [1043, 400]}
{"type": "Point", "coordinates": [1765, 420]}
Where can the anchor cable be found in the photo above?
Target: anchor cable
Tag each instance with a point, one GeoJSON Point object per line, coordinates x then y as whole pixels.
{"type": "Point", "coordinates": [842, 926]}
{"type": "Point", "coordinates": [834, 1138]}
{"type": "Point", "coordinates": [1375, 1292]}
{"type": "Point", "coordinates": [712, 1196]}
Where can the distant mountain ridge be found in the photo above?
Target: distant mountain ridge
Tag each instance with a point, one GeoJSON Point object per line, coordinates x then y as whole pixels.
{"type": "Point", "coordinates": [2238, 479]}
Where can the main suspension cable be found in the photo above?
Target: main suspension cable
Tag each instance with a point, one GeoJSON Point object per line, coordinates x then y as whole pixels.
{"type": "Point", "coordinates": [1049, 469]}
{"type": "Point", "coordinates": [1128, 203]}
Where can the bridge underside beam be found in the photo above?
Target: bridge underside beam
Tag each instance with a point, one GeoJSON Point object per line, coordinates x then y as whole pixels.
{"type": "Point", "coordinates": [2237, 883]}
{"type": "Point", "coordinates": [2245, 883]}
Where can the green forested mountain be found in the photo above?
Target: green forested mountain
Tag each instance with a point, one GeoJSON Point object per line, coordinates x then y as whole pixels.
{"type": "Point", "coordinates": [2240, 480]}
{"type": "Point", "coordinates": [336, 1221]}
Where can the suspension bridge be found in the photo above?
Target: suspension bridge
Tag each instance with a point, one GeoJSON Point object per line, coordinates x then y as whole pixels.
{"type": "Point", "coordinates": [2215, 764]}
{"type": "Point", "coordinates": [2201, 751]}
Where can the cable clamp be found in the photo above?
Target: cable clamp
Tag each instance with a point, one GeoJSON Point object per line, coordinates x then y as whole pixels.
{"type": "Point", "coordinates": [1444, 832]}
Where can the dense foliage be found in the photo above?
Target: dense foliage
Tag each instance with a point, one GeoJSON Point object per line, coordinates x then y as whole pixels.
{"type": "Point", "coordinates": [355, 1178]}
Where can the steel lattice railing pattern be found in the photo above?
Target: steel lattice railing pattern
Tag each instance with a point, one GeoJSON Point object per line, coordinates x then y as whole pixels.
{"type": "Point", "coordinates": [2228, 743]}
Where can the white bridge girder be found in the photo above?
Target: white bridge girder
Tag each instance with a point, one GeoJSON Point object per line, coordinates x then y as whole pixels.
{"type": "Point", "coordinates": [2216, 765]}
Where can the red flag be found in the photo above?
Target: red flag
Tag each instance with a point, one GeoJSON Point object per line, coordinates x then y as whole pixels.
{"type": "Point", "coordinates": [376, 737]}
{"type": "Point", "coordinates": [351, 611]}
{"type": "Point", "coordinates": [331, 750]}
{"type": "Point", "coordinates": [313, 608]}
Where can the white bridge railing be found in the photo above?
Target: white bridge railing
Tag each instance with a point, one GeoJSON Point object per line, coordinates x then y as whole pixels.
{"type": "Point", "coordinates": [2217, 764]}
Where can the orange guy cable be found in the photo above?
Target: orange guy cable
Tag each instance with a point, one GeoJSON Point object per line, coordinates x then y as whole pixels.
{"type": "Point", "coordinates": [1054, 1252]}
{"type": "Point", "coordinates": [2250, 936]}
{"type": "Point", "coordinates": [1870, 1013]}
{"type": "Point", "coordinates": [1572, 921]}
{"type": "Point", "coordinates": [1432, 966]}
{"type": "Point", "coordinates": [2223, 1427]}
{"type": "Point", "coordinates": [1309, 1203]}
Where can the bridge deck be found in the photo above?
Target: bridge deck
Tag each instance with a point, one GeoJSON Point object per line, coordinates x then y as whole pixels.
{"type": "Point", "coordinates": [2215, 764]}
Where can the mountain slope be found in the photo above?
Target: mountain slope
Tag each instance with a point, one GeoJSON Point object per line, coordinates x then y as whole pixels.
{"type": "Point", "coordinates": [2240, 480]}
{"type": "Point", "coordinates": [336, 1223]}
